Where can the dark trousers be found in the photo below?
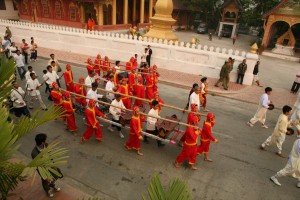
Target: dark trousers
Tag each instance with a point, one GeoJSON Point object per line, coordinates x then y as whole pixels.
{"type": "Point", "coordinates": [240, 78]}
{"type": "Point", "coordinates": [22, 111]}
{"type": "Point", "coordinates": [47, 185]}
{"type": "Point", "coordinates": [58, 83]}
{"type": "Point", "coordinates": [50, 98]}
{"type": "Point", "coordinates": [117, 127]}
{"type": "Point", "coordinates": [25, 54]}
{"type": "Point", "coordinates": [47, 89]}
{"type": "Point", "coordinates": [153, 132]}
{"type": "Point", "coordinates": [33, 55]}
{"type": "Point", "coordinates": [295, 87]}
{"type": "Point", "coordinates": [22, 74]}
{"type": "Point", "coordinates": [148, 58]}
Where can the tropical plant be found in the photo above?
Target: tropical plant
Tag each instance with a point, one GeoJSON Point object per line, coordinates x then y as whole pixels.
{"type": "Point", "coordinates": [177, 190]}
{"type": "Point", "coordinates": [11, 173]}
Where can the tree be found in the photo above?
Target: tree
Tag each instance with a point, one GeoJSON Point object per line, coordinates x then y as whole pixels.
{"type": "Point", "coordinates": [53, 156]}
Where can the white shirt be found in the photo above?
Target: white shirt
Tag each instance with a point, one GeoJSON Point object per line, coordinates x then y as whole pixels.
{"type": "Point", "coordinates": [264, 100]}
{"type": "Point", "coordinates": [51, 77]}
{"type": "Point", "coordinates": [27, 75]}
{"type": "Point", "coordinates": [89, 80]}
{"type": "Point", "coordinates": [17, 97]}
{"type": "Point", "coordinates": [117, 69]}
{"type": "Point", "coordinates": [19, 60]}
{"type": "Point", "coordinates": [194, 99]}
{"type": "Point", "coordinates": [93, 95]}
{"type": "Point", "coordinates": [203, 88]}
{"type": "Point", "coordinates": [294, 158]}
{"type": "Point", "coordinates": [151, 121]}
{"type": "Point", "coordinates": [11, 48]}
{"type": "Point", "coordinates": [109, 86]}
{"type": "Point", "coordinates": [55, 60]}
{"type": "Point", "coordinates": [32, 85]}
{"type": "Point", "coordinates": [113, 110]}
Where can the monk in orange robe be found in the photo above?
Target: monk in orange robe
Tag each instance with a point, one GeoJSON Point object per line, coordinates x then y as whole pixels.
{"type": "Point", "coordinates": [206, 136]}
{"type": "Point", "coordinates": [132, 80]}
{"type": "Point", "coordinates": [106, 66]}
{"type": "Point", "coordinates": [190, 117]}
{"type": "Point", "coordinates": [139, 91]}
{"type": "Point", "coordinates": [160, 101]}
{"type": "Point", "coordinates": [69, 113]}
{"type": "Point", "coordinates": [90, 24]}
{"type": "Point", "coordinates": [155, 75]}
{"type": "Point", "coordinates": [68, 75]}
{"type": "Point", "coordinates": [135, 136]}
{"type": "Point", "coordinates": [149, 86]}
{"type": "Point", "coordinates": [92, 122]}
{"type": "Point", "coordinates": [81, 90]}
{"type": "Point", "coordinates": [89, 66]}
{"type": "Point", "coordinates": [189, 150]}
{"type": "Point", "coordinates": [98, 65]}
{"type": "Point", "coordinates": [56, 96]}
{"type": "Point", "coordinates": [124, 89]}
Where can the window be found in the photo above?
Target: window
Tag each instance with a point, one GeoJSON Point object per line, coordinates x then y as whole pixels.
{"type": "Point", "coordinates": [45, 8]}
{"type": "Point", "coordinates": [73, 12]}
{"type": "Point", "coordinates": [57, 8]}
{"type": "Point", "coordinates": [2, 5]}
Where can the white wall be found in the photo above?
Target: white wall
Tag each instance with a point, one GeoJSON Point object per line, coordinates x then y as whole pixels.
{"type": "Point", "coordinates": [193, 59]}
{"type": "Point", "coordinates": [9, 13]}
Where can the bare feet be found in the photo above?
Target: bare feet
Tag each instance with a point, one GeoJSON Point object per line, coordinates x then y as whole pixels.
{"type": "Point", "coordinates": [74, 133]}
{"type": "Point", "coordinates": [280, 155]}
{"type": "Point", "coordinates": [193, 167]}
{"type": "Point", "coordinates": [139, 153]}
{"type": "Point", "coordinates": [81, 140]}
{"type": "Point", "coordinates": [177, 165]}
{"type": "Point", "coordinates": [208, 159]}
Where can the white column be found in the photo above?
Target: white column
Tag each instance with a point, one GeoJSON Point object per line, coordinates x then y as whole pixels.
{"type": "Point", "coordinates": [233, 31]}
{"type": "Point", "coordinates": [220, 28]}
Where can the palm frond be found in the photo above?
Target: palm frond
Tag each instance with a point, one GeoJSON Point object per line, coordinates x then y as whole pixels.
{"type": "Point", "coordinates": [7, 69]}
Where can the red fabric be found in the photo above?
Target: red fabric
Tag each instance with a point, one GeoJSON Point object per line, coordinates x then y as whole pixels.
{"type": "Point", "coordinates": [131, 81]}
{"type": "Point", "coordinates": [89, 68]}
{"type": "Point", "coordinates": [206, 137]}
{"type": "Point", "coordinates": [92, 123]}
{"type": "Point", "coordinates": [135, 132]}
{"type": "Point", "coordinates": [135, 64]}
{"type": "Point", "coordinates": [116, 79]}
{"type": "Point", "coordinates": [155, 81]}
{"type": "Point", "coordinates": [203, 102]}
{"type": "Point", "coordinates": [90, 24]}
{"type": "Point", "coordinates": [188, 152]}
{"type": "Point", "coordinates": [106, 66]}
{"type": "Point", "coordinates": [68, 76]}
{"type": "Point", "coordinates": [139, 91]}
{"type": "Point", "coordinates": [190, 118]}
{"type": "Point", "coordinates": [123, 89]}
{"type": "Point", "coordinates": [97, 66]}
{"type": "Point", "coordinates": [69, 111]}
{"type": "Point", "coordinates": [79, 89]}
{"type": "Point", "coordinates": [149, 86]}
{"type": "Point", "coordinates": [57, 97]}
{"type": "Point", "coordinates": [128, 66]}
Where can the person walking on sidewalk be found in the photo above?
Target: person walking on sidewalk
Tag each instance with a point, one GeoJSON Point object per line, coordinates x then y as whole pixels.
{"type": "Point", "coordinates": [296, 84]}
{"type": "Point", "coordinates": [48, 185]}
{"type": "Point", "coordinates": [25, 48]}
{"type": "Point", "coordinates": [292, 168]}
{"type": "Point", "coordinates": [242, 68]}
{"type": "Point", "coordinates": [278, 135]}
{"type": "Point", "coordinates": [223, 73]}
{"type": "Point", "coordinates": [33, 86]}
{"type": "Point", "coordinates": [255, 74]}
{"type": "Point", "coordinates": [261, 112]}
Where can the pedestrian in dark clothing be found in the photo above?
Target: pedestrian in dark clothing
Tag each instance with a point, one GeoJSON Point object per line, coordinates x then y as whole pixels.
{"type": "Point", "coordinates": [242, 68]}
{"type": "Point", "coordinates": [296, 84]}
{"type": "Point", "coordinates": [149, 54]}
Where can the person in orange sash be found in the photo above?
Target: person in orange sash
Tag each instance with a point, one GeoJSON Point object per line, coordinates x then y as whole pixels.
{"type": "Point", "coordinates": [149, 85]}
{"type": "Point", "coordinates": [68, 75]}
{"type": "Point", "coordinates": [135, 136]}
{"type": "Point", "coordinates": [123, 89]}
{"type": "Point", "coordinates": [92, 122]}
{"type": "Point", "coordinates": [90, 23]}
{"type": "Point", "coordinates": [81, 90]}
{"type": "Point", "coordinates": [189, 150]}
{"type": "Point", "coordinates": [132, 79]}
{"type": "Point", "coordinates": [155, 75]}
{"type": "Point", "coordinates": [105, 66]}
{"type": "Point", "coordinates": [160, 101]}
{"type": "Point", "coordinates": [206, 136]}
{"type": "Point", "coordinates": [190, 117]}
{"type": "Point", "coordinates": [139, 91]}
{"type": "Point", "coordinates": [203, 93]}
{"type": "Point", "coordinates": [89, 65]}
{"type": "Point", "coordinates": [69, 113]}
{"type": "Point", "coordinates": [98, 65]}
{"type": "Point", "coordinates": [56, 96]}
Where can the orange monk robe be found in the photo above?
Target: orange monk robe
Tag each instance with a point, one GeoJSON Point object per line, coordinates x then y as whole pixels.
{"type": "Point", "coordinates": [97, 66]}
{"type": "Point", "coordinates": [116, 79]}
{"type": "Point", "coordinates": [149, 86]}
{"type": "Point", "coordinates": [160, 101]}
{"type": "Point", "coordinates": [189, 150]}
{"type": "Point", "coordinates": [68, 75]}
{"type": "Point", "coordinates": [90, 24]}
{"type": "Point", "coordinates": [155, 81]}
{"type": "Point", "coordinates": [131, 81]}
{"type": "Point", "coordinates": [206, 137]}
{"type": "Point", "coordinates": [139, 91]}
{"type": "Point", "coordinates": [69, 114]}
{"type": "Point", "coordinates": [134, 133]}
{"type": "Point", "coordinates": [80, 89]}
{"type": "Point", "coordinates": [92, 123]}
{"type": "Point", "coordinates": [190, 118]}
{"type": "Point", "coordinates": [124, 89]}
{"type": "Point", "coordinates": [135, 63]}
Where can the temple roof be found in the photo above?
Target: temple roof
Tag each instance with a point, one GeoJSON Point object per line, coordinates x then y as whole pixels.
{"type": "Point", "coordinates": [237, 2]}
{"type": "Point", "coordinates": [285, 7]}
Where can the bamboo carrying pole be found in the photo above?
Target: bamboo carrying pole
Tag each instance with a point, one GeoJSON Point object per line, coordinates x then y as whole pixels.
{"type": "Point", "coordinates": [105, 103]}
{"type": "Point", "coordinates": [147, 100]}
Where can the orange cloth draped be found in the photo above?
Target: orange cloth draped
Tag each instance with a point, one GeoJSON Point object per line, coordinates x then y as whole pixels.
{"type": "Point", "coordinates": [79, 89]}
{"type": "Point", "coordinates": [68, 76]}
{"type": "Point", "coordinates": [92, 123]}
{"type": "Point", "coordinates": [206, 137]}
{"type": "Point", "coordinates": [149, 86]}
{"type": "Point", "coordinates": [90, 24]}
{"type": "Point", "coordinates": [97, 66]}
{"type": "Point", "coordinates": [139, 91]}
{"type": "Point", "coordinates": [123, 89]}
{"type": "Point", "coordinates": [69, 112]}
{"type": "Point", "coordinates": [135, 132]}
{"type": "Point", "coordinates": [131, 81]}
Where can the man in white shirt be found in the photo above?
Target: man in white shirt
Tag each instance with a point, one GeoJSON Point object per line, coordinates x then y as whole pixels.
{"type": "Point", "coordinates": [13, 49]}
{"type": "Point", "coordinates": [109, 87]}
{"type": "Point", "coordinates": [92, 94]}
{"type": "Point", "coordinates": [33, 86]}
{"type": "Point", "coordinates": [27, 75]}
{"type": "Point", "coordinates": [261, 112]}
{"type": "Point", "coordinates": [51, 77]}
{"type": "Point", "coordinates": [116, 113]}
{"type": "Point", "coordinates": [195, 98]}
{"type": "Point", "coordinates": [20, 64]}
{"type": "Point", "coordinates": [151, 123]}
{"type": "Point", "coordinates": [17, 97]}
{"type": "Point", "coordinates": [90, 79]}
{"type": "Point", "coordinates": [52, 58]}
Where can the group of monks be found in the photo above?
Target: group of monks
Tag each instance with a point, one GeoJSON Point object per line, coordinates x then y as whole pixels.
{"type": "Point", "coordinates": [142, 83]}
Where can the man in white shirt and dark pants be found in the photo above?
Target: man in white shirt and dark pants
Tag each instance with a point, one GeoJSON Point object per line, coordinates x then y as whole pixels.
{"type": "Point", "coordinates": [116, 113]}
{"type": "Point", "coordinates": [17, 97]}
{"type": "Point", "coordinates": [92, 94]}
{"type": "Point", "coordinates": [90, 79]}
{"type": "Point", "coordinates": [33, 86]}
{"type": "Point", "coordinates": [20, 64]}
{"type": "Point", "coordinates": [109, 87]}
{"type": "Point", "coordinates": [51, 77]}
{"type": "Point", "coordinates": [195, 98]}
{"type": "Point", "coordinates": [263, 106]}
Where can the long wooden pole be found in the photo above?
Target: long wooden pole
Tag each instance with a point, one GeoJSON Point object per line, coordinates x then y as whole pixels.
{"type": "Point", "coordinates": [147, 100]}
{"type": "Point", "coordinates": [105, 103]}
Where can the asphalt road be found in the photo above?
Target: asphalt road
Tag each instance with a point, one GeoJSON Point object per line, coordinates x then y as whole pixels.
{"type": "Point", "coordinates": [240, 170]}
